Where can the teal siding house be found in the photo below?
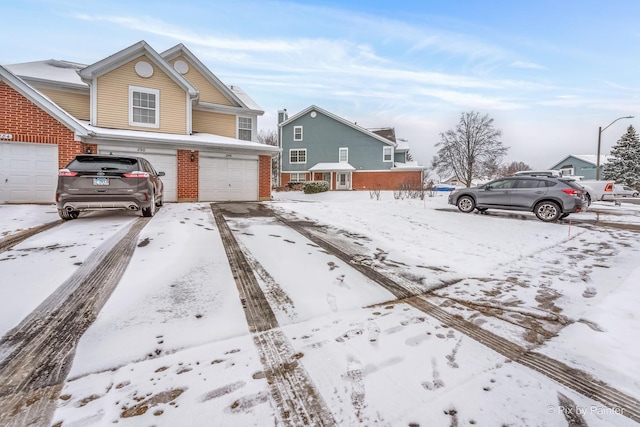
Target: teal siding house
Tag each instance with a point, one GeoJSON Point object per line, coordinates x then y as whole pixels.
{"type": "Point", "coordinates": [320, 146]}
{"type": "Point", "coordinates": [583, 165]}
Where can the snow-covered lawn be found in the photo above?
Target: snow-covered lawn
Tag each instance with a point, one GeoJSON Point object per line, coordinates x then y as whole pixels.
{"type": "Point", "coordinates": [173, 338]}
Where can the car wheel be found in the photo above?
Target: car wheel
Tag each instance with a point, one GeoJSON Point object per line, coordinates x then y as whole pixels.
{"type": "Point", "coordinates": [67, 215]}
{"type": "Point", "coordinates": [148, 212]}
{"type": "Point", "coordinates": [466, 204]}
{"type": "Point", "coordinates": [547, 211]}
{"type": "Point", "coordinates": [636, 194]}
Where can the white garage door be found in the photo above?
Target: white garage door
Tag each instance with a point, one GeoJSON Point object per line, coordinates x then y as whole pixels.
{"type": "Point", "coordinates": [162, 161]}
{"type": "Point", "coordinates": [28, 172]}
{"type": "Point", "coordinates": [222, 179]}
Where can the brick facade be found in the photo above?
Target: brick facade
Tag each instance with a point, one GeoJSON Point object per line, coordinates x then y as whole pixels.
{"type": "Point", "coordinates": [188, 176]}
{"type": "Point", "coordinates": [27, 122]}
{"type": "Point", "coordinates": [264, 178]}
{"type": "Point", "coordinates": [391, 180]}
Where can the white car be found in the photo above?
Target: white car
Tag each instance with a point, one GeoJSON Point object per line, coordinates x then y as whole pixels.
{"type": "Point", "coordinates": [624, 191]}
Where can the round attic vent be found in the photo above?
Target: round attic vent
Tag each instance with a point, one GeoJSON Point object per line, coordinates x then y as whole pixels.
{"type": "Point", "coordinates": [181, 66]}
{"type": "Point", "coordinates": [144, 69]}
{"type": "Point", "coordinates": [313, 114]}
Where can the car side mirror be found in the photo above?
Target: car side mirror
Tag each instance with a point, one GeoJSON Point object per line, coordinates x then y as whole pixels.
{"type": "Point", "coordinates": [486, 187]}
{"type": "Point", "coordinates": [160, 173]}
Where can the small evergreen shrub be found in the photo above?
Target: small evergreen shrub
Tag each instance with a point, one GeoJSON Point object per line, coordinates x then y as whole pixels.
{"type": "Point", "coordinates": [311, 187]}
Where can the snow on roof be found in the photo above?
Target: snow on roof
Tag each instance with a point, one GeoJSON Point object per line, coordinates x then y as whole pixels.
{"type": "Point", "coordinates": [402, 144]}
{"type": "Point", "coordinates": [246, 99]}
{"type": "Point", "coordinates": [408, 165]}
{"type": "Point", "coordinates": [591, 158]}
{"type": "Point", "coordinates": [52, 70]}
{"type": "Point", "coordinates": [196, 140]}
{"type": "Point", "coordinates": [343, 166]}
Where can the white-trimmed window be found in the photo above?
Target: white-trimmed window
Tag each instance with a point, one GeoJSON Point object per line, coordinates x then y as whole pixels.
{"type": "Point", "coordinates": [387, 154]}
{"type": "Point", "coordinates": [244, 128]}
{"type": "Point", "coordinates": [144, 107]}
{"type": "Point", "coordinates": [297, 133]}
{"type": "Point", "coordinates": [343, 155]}
{"type": "Point", "coordinates": [298, 155]}
{"type": "Point", "coordinates": [297, 177]}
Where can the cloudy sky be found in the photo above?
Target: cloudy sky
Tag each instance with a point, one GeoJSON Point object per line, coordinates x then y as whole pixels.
{"type": "Point", "coordinates": [548, 72]}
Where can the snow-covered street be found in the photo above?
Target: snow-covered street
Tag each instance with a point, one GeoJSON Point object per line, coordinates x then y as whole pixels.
{"type": "Point", "coordinates": [173, 345]}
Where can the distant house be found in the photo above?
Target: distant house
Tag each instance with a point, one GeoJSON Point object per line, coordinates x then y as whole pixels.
{"type": "Point", "coordinates": [167, 107]}
{"type": "Point", "coordinates": [318, 145]}
{"type": "Point", "coordinates": [580, 165]}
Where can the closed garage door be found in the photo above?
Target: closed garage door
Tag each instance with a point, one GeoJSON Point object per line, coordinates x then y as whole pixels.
{"type": "Point", "coordinates": [227, 179]}
{"type": "Point", "coordinates": [162, 160]}
{"type": "Point", "coordinates": [28, 172]}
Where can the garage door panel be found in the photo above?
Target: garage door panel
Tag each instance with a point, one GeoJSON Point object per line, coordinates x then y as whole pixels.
{"type": "Point", "coordinates": [167, 163]}
{"type": "Point", "coordinates": [227, 179]}
{"type": "Point", "coordinates": [28, 172]}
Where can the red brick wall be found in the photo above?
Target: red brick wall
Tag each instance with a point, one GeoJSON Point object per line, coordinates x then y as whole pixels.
{"type": "Point", "coordinates": [28, 123]}
{"type": "Point", "coordinates": [187, 176]}
{"type": "Point", "coordinates": [384, 180]}
{"type": "Point", "coordinates": [285, 178]}
{"type": "Point", "coordinates": [264, 178]}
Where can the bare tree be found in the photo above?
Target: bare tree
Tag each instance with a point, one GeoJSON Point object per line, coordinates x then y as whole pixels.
{"type": "Point", "coordinates": [514, 167]}
{"type": "Point", "coordinates": [469, 149]}
{"type": "Point", "coordinates": [270, 137]}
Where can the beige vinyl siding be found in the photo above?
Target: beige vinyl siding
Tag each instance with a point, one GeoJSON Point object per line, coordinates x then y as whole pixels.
{"type": "Point", "coordinates": [113, 99]}
{"type": "Point", "coordinates": [208, 92]}
{"type": "Point", "coordinates": [75, 104]}
{"type": "Point", "coordinates": [215, 123]}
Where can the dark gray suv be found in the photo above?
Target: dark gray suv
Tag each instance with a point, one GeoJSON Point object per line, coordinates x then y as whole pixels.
{"type": "Point", "coordinates": [549, 198]}
{"type": "Point", "coordinates": [97, 182]}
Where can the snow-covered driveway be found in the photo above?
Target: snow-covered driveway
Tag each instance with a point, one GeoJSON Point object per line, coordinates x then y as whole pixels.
{"type": "Point", "coordinates": [172, 345]}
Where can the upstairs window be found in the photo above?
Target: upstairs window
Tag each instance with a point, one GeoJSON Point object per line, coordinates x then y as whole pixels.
{"type": "Point", "coordinates": [297, 133]}
{"type": "Point", "coordinates": [298, 156]}
{"type": "Point", "coordinates": [244, 128]}
{"type": "Point", "coordinates": [144, 109]}
{"type": "Point", "coordinates": [343, 155]}
{"type": "Point", "coordinates": [387, 154]}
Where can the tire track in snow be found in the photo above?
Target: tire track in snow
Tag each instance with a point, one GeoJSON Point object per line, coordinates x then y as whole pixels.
{"type": "Point", "coordinates": [293, 393]}
{"type": "Point", "coordinates": [35, 356]}
{"type": "Point", "coordinates": [10, 241]}
{"type": "Point", "coordinates": [575, 379]}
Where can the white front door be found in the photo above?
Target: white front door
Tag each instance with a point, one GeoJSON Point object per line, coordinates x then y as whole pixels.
{"type": "Point", "coordinates": [342, 181]}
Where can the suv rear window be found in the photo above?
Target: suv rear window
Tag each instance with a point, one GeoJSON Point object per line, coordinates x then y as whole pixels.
{"type": "Point", "coordinates": [103, 163]}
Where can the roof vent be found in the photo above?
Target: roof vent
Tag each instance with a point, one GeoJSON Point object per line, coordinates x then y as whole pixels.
{"type": "Point", "coordinates": [144, 69]}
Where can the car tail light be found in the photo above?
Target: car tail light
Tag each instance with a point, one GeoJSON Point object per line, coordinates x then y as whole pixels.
{"type": "Point", "coordinates": [609, 187]}
{"type": "Point", "coordinates": [572, 192]}
{"type": "Point", "coordinates": [136, 174]}
{"type": "Point", "coordinates": [66, 172]}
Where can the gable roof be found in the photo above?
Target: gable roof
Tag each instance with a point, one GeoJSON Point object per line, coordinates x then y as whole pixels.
{"type": "Point", "coordinates": [134, 51]}
{"type": "Point", "coordinates": [587, 158]}
{"type": "Point", "coordinates": [42, 101]}
{"type": "Point", "coordinates": [50, 71]}
{"type": "Point", "coordinates": [338, 119]}
{"type": "Point", "coordinates": [233, 94]}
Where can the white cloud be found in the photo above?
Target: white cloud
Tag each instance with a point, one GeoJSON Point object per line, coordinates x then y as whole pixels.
{"type": "Point", "coordinates": [527, 65]}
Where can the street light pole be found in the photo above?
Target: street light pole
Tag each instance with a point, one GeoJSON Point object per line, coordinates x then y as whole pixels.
{"type": "Point", "coordinates": [600, 130]}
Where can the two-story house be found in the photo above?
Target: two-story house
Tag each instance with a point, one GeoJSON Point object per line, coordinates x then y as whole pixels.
{"type": "Point", "coordinates": [167, 107]}
{"type": "Point", "coordinates": [318, 145]}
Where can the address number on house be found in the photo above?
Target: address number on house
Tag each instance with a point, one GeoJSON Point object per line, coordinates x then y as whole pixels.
{"type": "Point", "coordinates": [6, 136]}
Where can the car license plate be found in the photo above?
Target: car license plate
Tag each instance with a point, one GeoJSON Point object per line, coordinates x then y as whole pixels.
{"type": "Point", "coordinates": [100, 181]}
